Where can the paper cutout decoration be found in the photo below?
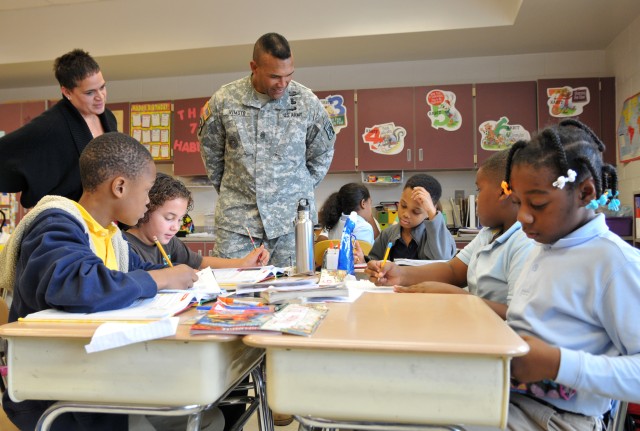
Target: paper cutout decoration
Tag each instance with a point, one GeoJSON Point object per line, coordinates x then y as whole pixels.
{"type": "Point", "coordinates": [385, 139]}
{"type": "Point", "coordinates": [337, 111]}
{"type": "Point", "coordinates": [443, 112]}
{"type": "Point", "coordinates": [567, 101]}
{"type": "Point", "coordinates": [500, 135]}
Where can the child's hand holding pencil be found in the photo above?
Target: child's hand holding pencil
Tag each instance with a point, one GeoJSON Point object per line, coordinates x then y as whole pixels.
{"type": "Point", "coordinates": [259, 256]}
{"type": "Point", "coordinates": [389, 275]}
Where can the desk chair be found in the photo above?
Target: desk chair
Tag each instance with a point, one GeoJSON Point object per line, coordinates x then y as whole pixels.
{"type": "Point", "coordinates": [321, 246]}
{"type": "Point", "coordinates": [618, 417]}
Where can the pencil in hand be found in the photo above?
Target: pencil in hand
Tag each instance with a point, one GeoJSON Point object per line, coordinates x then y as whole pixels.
{"type": "Point", "coordinates": [251, 238]}
{"type": "Point", "coordinates": [162, 252]}
{"type": "Point", "coordinates": [386, 256]}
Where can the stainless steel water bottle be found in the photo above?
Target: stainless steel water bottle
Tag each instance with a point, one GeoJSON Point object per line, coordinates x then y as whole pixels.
{"type": "Point", "coordinates": [304, 239]}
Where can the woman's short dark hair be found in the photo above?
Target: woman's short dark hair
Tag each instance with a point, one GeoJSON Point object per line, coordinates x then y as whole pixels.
{"type": "Point", "coordinates": [73, 67]}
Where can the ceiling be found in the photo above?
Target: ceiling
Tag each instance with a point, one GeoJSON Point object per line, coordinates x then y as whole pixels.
{"type": "Point", "coordinates": [135, 39]}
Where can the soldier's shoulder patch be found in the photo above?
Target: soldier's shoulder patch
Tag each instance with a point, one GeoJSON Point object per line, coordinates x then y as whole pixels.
{"type": "Point", "coordinates": [205, 113]}
{"type": "Point", "coordinates": [328, 129]}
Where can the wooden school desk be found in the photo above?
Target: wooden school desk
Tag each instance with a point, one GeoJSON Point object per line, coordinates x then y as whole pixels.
{"type": "Point", "coordinates": [177, 375]}
{"type": "Point", "coordinates": [395, 359]}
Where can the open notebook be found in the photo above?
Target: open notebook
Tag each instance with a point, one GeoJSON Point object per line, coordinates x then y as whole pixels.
{"type": "Point", "coordinates": [160, 306]}
{"type": "Point", "coordinates": [230, 277]}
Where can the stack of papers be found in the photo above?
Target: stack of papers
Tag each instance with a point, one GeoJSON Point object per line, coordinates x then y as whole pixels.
{"type": "Point", "coordinates": [415, 262]}
{"type": "Point", "coordinates": [231, 277]}
{"type": "Point", "coordinates": [275, 295]}
{"type": "Point", "coordinates": [276, 284]}
{"type": "Point", "coordinates": [468, 232]}
{"type": "Point", "coordinates": [160, 306]}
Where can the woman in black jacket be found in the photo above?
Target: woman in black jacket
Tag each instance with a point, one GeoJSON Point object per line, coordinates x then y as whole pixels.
{"type": "Point", "coordinates": [41, 158]}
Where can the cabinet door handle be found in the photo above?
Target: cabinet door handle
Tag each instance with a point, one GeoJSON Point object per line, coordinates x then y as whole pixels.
{"type": "Point", "coordinates": [420, 154]}
{"type": "Point", "coordinates": [408, 155]}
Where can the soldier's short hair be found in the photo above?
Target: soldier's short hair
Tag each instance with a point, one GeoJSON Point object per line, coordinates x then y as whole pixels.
{"type": "Point", "coordinates": [273, 44]}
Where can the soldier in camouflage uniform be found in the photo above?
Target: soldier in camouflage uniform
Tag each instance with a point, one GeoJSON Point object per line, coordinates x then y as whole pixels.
{"type": "Point", "coordinates": [266, 142]}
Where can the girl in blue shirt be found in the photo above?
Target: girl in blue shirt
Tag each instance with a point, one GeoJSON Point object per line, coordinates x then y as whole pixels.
{"type": "Point", "coordinates": [577, 295]}
{"type": "Point", "coordinates": [338, 206]}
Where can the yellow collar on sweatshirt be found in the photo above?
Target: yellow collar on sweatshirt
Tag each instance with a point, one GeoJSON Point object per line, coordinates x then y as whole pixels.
{"type": "Point", "coordinates": [101, 238]}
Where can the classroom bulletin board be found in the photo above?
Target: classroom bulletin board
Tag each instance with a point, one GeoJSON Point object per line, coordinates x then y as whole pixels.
{"type": "Point", "coordinates": [151, 126]}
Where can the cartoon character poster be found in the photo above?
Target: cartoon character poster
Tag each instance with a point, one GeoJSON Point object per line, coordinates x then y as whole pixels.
{"type": "Point", "coordinates": [500, 135]}
{"type": "Point", "coordinates": [337, 111]}
{"type": "Point", "coordinates": [443, 113]}
{"type": "Point", "coordinates": [629, 129]}
{"type": "Point", "coordinates": [567, 101]}
{"type": "Point", "coordinates": [386, 139]}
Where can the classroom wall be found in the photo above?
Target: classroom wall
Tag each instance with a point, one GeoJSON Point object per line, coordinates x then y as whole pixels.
{"type": "Point", "coordinates": [623, 59]}
{"type": "Point", "coordinates": [380, 75]}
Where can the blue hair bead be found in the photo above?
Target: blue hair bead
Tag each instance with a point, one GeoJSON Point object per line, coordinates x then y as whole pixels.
{"type": "Point", "coordinates": [614, 204]}
{"type": "Point", "coordinates": [593, 205]}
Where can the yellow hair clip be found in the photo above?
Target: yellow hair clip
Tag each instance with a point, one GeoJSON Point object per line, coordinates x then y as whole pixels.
{"type": "Point", "coordinates": [505, 188]}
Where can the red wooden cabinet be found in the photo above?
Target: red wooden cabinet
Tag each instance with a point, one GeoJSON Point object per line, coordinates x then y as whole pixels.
{"type": "Point", "coordinates": [608, 131]}
{"type": "Point", "coordinates": [10, 114]}
{"type": "Point", "coordinates": [204, 248]}
{"type": "Point", "coordinates": [186, 148]}
{"type": "Point", "coordinates": [386, 137]}
{"type": "Point", "coordinates": [17, 114]}
{"type": "Point", "coordinates": [505, 113]}
{"type": "Point", "coordinates": [340, 105]}
{"type": "Point", "coordinates": [30, 110]}
{"type": "Point", "coordinates": [12, 117]}
{"type": "Point", "coordinates": [444, 127]}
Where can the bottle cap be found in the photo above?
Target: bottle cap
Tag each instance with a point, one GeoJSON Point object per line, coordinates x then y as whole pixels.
{"type": "Point", "coordinates": [303, 205]}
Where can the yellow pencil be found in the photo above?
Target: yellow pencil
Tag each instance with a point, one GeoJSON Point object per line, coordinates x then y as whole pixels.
{"type": "Point", "coordinates": [386, 256]}
{"type": "Point", "coordinates": [164, 254]}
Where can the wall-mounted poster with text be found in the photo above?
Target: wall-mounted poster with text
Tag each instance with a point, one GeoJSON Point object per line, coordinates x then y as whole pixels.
{"type": "Point", "coordinates": [337, 111]}
{"type": "Point", "coordinates": [567, 101]}
{"type": "Point", "coordinates": [151, 126]}
{"type": "Point", "coordinates": [385, 139]}
{"type": "Point", "coordinates": [443, 113]}
{"type": "Point", "coordinates": [500, 135]}
{"type": "Point", "coordinates": [629, 129]}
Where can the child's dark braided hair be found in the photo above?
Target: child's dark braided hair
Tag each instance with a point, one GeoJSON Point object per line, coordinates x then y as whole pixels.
{"type": "Point", "coordinates": [570, 145]}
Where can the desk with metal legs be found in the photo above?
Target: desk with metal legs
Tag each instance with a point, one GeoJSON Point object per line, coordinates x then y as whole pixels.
{"type": "Point", "coordinates": [390, 360]}
{"type": "Point", "coordinates": [176, 375]}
